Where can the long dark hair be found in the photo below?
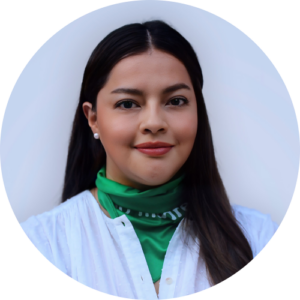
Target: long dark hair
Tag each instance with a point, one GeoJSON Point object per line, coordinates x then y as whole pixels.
{"type": "Point", "coordinates": [223, 245]}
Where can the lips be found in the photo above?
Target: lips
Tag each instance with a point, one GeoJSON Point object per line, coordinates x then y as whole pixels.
{"type": "Point", "coordinates": [154, 148]}
{"type": "Point", "coordinates": [151, 145]}
{"type": "Point", "coordinates": [154, 151]}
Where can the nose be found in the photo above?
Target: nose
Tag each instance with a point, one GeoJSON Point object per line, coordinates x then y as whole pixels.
{"type": "Point", "coordinates": [153, 121]}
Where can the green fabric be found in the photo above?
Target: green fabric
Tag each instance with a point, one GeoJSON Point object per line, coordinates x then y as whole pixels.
{"type": "Point", "coordinates": [154, 213]}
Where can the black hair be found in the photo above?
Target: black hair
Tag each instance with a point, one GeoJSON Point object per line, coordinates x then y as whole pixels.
{"type": "Point", "coordinates": [223, 245]}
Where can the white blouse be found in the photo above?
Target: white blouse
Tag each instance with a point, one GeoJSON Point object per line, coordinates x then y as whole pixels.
{"type": "Point", "coordinates": [102, 253]}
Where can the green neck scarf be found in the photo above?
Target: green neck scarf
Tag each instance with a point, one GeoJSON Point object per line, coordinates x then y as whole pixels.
{"type": "Point", "coordinates": [154, 213]}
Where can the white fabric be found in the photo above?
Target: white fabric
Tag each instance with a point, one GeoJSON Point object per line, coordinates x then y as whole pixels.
{"type": "Point", "coordinates": [105, 255]}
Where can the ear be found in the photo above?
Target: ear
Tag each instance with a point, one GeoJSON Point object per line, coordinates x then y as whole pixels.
{"type": "Point", "coordinates": [91, 116]}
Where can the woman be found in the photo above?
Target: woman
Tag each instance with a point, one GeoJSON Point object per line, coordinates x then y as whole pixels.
{"type": "Point", "coordinates": [147, 214]}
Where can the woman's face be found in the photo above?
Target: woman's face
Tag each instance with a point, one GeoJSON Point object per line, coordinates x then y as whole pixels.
{"type": "Point", "coordinates": [148, 98]}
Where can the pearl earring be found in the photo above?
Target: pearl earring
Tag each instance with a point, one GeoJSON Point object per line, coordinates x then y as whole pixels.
{"type": "Point", "coordinates": [96, 135]}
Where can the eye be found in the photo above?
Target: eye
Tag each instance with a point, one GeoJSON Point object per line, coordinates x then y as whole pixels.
{"type": "Point", "coordinates": [178, 101]}
{"type": "Point", "coordinates": [127, 104]}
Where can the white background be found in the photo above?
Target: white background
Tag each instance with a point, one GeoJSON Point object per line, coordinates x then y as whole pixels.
{"type": "Point", "coordinates": [249, 54]}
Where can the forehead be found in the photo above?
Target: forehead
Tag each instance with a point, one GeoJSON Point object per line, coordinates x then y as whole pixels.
{"type": "Point", "coordinates": [154, 69]}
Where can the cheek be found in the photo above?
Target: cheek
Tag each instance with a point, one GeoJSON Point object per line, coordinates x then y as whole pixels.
{"type": "Point", "coordinates": [115, 131]}
{"type": "Point", "coordinates": [186, 131]}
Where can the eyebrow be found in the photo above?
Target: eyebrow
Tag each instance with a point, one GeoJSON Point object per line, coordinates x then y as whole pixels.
{"type": "Point", "coordinates": [137, 92]}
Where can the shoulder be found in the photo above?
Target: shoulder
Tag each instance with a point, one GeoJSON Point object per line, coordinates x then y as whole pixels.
{"type": "Point", "coordinates": [72, 208]}
{"type": "Point", "coordinates": [257, 227]}
{"type": "Point", "coordinates": [250, 216]}
{"type": "Point", "coordinates": [51, 231]}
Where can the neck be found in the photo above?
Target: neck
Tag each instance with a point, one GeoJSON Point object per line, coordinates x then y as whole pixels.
{"type": "Point", "coordinates": [94, 192]}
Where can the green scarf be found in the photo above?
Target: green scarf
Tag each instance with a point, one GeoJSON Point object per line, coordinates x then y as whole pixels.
{"type": "Point", "coordinates": [154, 213]}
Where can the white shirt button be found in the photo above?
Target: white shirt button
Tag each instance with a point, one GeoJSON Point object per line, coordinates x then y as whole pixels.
{"type": "Point", "coordinates": [169, 281]}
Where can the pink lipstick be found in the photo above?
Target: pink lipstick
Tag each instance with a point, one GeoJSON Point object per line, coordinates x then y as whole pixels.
{"type": "Point", "coordinates": [154, 148]}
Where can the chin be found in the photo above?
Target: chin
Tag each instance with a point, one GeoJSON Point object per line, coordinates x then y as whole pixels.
{"type": "Point", "coordinates": [155, 179]}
